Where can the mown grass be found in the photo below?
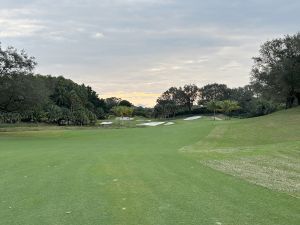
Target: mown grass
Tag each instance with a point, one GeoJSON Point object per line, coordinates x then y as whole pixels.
{"type": "Point", "coordinates": [150, 176]}
{"type": "Point", "coordinates": [264, 150]}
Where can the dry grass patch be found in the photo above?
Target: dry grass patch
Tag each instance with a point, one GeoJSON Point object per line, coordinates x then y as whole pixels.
{"type": "Point", "coordinates": [280, 172]}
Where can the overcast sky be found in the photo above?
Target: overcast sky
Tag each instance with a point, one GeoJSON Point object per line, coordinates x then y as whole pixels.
{"type": "Point", "coordinates": [136, 49]}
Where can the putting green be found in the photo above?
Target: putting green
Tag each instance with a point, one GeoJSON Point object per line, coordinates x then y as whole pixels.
{"type": "Point", "coordinates": [193, 172]}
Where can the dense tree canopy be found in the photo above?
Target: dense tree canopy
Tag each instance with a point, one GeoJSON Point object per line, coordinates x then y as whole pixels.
{"type": "Point", "coordinates": [176, 99]}
{"type": "Point", "coordinates": [122, 111]}
{"type": "Point", "coordinates": [125, 103]}
{"type": "Point", "coordinates": [25, 96]}
{"type": "Point", "coordinates": [213, 106]}
{"type": "Point", "coordinates": [276, 72]}
{"type": "Point", "coordinates": [168, 103]}
{"type": "Point", "coordinates": [189, 93]}
{"type": "Point", "coordinates": [48, 99]}
{"type": "Point", "coordinates": [111, 102]}
{"type": "Point", "coordinates": [214, 92]}
{"type": "Point", "coordinates": [228, 106]}
{"type": "Point", "coordinates": [19, 92]}
{"type": "Point", "coordinates": [14, 62]}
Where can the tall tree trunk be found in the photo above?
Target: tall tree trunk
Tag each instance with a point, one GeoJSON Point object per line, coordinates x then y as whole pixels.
{"type": "Point", "coordinates": [289, 102]}
{"type": "Point", "coordinates": [190, 107]}
{"type": "Point", "coordinates": [291, 98]}
{"type": "Point", "coordinates": [298, 97]}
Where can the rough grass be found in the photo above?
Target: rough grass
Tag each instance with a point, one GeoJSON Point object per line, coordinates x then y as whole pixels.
{"type": "Point", "coordinates": [264, 151]}
{"type": "Point", "coordinates": [279, 172]}
{"type": "Point", "coordinates": [139, 176]}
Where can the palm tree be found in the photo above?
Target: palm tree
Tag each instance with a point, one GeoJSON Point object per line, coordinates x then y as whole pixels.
{"type": "Point", "coordinates": [213, 106]}
{"type": "Point", "coordinates": [228, 106]}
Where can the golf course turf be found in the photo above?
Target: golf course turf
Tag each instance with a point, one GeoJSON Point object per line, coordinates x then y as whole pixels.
{"type": "Point", "coordinates": [230, 172]}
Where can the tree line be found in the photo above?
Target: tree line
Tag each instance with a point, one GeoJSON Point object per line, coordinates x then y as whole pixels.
{"type": "Point", "coordinates": [275, 84]}
{"type": "Point", "coordinates": [29, 97]}
{"type": "Point", "coordinates": [191, 99]}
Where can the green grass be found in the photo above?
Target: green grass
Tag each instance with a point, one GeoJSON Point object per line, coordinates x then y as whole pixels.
{"type": "Point", "coordinates": [194, 172]}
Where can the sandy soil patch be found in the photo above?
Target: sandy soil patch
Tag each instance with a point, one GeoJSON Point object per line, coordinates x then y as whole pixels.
{"type": "Point", "coordinates": [125, 118]}
{"type": "Point", "coordinates": [169, 123]}
{"type": "Point", "coordinates": [106, 123]}
{"type": "Point", "coordinates": [151, 124]}
{"type": "Point", "coordinates": [216, 118]}
{"type": "Point", "coordinates": [193, 118]}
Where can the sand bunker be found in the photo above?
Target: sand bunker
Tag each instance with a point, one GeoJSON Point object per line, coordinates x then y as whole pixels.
{"type": "Point", "coordinates": [169, 123]}
{"type": "Point", "coordinates": [151, 124]}
{"type": "Point", "coordinates": [124, 118]}
{"type": "Point", "coordinates": [216, 118]}
{"type": "Point", "coordinates": [193, 118]}
{"type": "Point", "coordinates": [106, 123]}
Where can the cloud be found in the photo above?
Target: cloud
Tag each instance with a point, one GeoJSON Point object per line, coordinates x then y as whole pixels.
{"type": "Point", "coordinates": [10, 28]}
{"type": "Point", "coordinates": [232, 65]}
{"type": "Point", "coordinates": [139, 2]}
{"type": "Point", "coordinates": [98, 35]}
{"type": "Point", "coordinates": [15, 23]}
{"type": "Point", "coordinates": [179, 64]}
{"type": "Point", "coordinates": [156, 69]}
{"type": "Point", "coordinates": [17, 12]}
{"type": "Point", "coordinates": [145, 46]}
{"type": "Point", "coordinates": [137, 98]}
{"type": "Point", "coordinates": [189, 62]}
{"type": "Point", "coordinates": [176, 67]}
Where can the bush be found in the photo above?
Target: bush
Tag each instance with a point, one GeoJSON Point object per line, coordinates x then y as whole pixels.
{"type": "Point", "coordinates": [10, 117]}
{"type": "Point", "coordinates": [262, 107]}
{"type": "Point", "coordinates": [34, 115]}
{"type": "Point", "coordinates": [122, 111]}
{"type": "Point", "coordinates": [54, 114]}
{"type": "Point", "coordinates": [80, 118]}
{"type": "Point", "coordinates": [92, 117]}
{"type": "Point", "coordinates": [2, 118]}
{"type": "Point", "coordinates": [100, 113]}
{"type": "Point", "coordinates": [67, 117]}
{"type": "Point", "coordinates": [144, 112]}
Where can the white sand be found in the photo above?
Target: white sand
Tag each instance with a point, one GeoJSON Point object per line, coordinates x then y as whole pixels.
{"type": "Point", "coordinates": [106, 123]}
{"type": "Point", "coordinates": [216, 118]}
{"type": "Point", "coordinates": [169, 123]}
{"type": "Point", "coordinates": [151, 124]}
{"type": "Point", "coordinates": [124, 118]}
{"type": "Point", "coordinates": [193, 118]}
